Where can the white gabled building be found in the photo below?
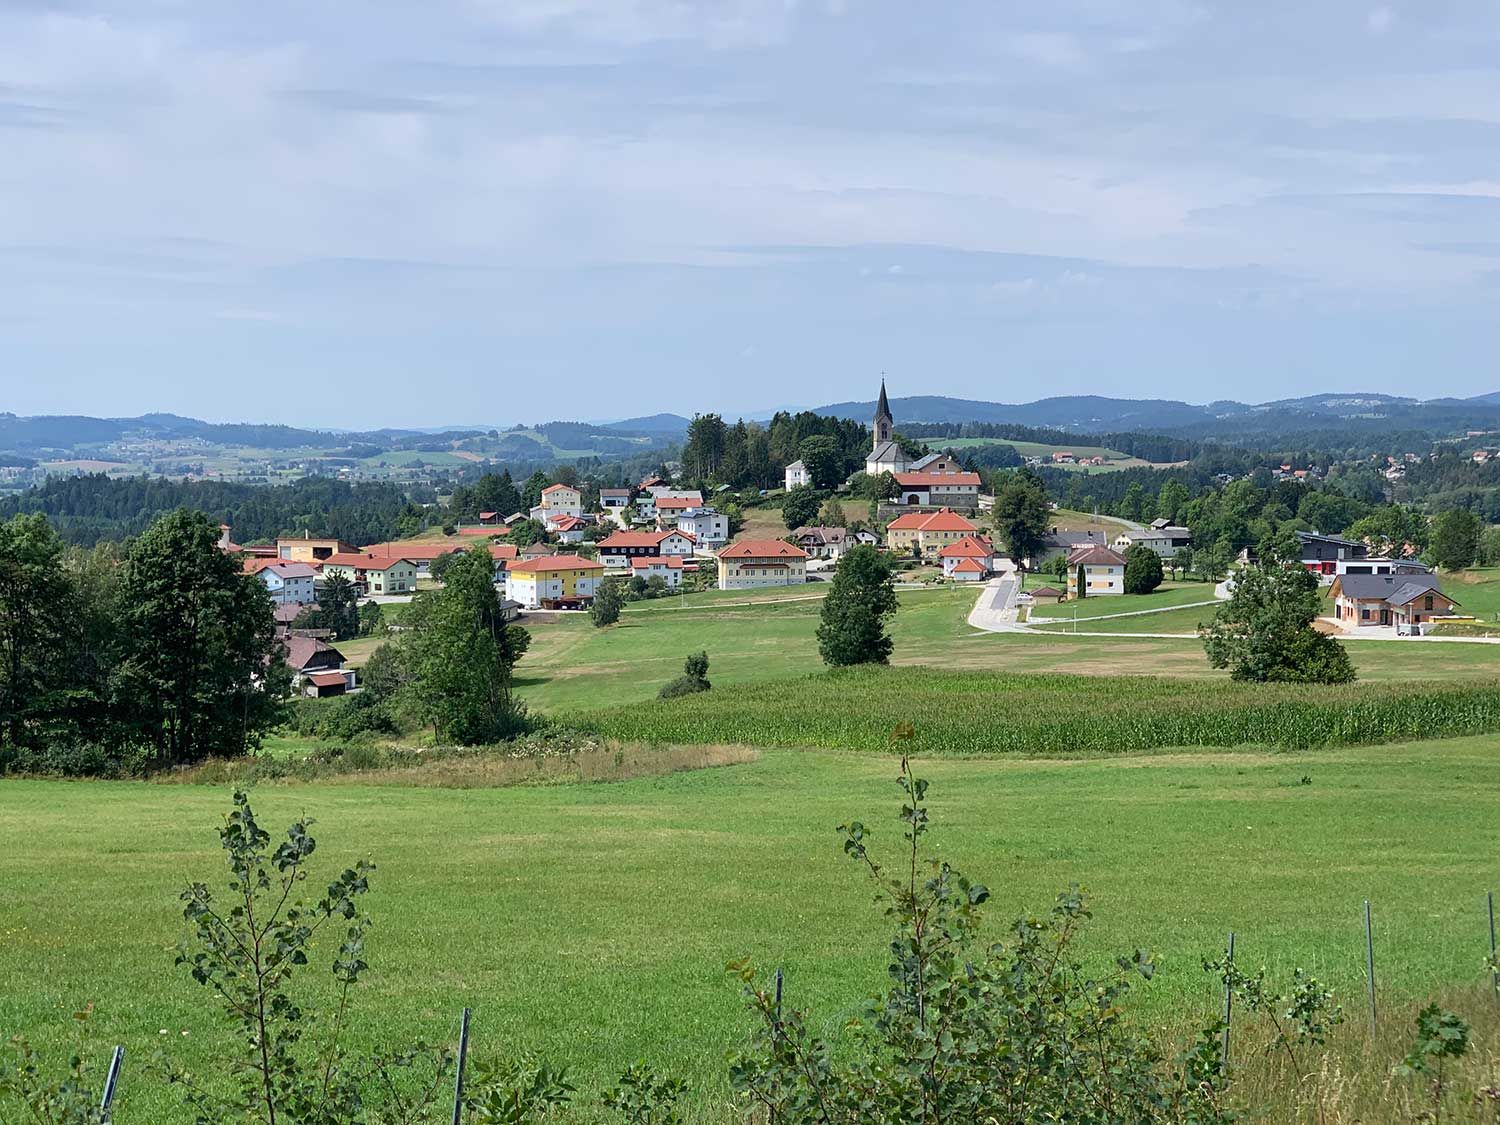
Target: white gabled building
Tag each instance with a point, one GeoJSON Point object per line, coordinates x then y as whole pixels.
{"type": "Point", "coordinates": [708, 527]}
{"type": "Point", "coordinates": [666, 567]}
{"type": "Point", "coordinates": [796, 475]}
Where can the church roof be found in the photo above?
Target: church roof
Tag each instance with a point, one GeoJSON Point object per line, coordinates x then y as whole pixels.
{"type": "Point", "coordinates": [888, 451]}
{"type": "Point", "coordinates": [883, 407]}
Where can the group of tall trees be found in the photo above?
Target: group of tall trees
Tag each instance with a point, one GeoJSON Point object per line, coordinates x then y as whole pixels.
{"type": "Point", "coordinates": [751, 455]}
{"type": "Point", "coordinates": [160, 653]}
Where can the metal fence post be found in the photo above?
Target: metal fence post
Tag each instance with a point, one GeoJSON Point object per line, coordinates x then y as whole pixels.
{"type": "Point", "coordinates": [458, 1081]}
{"type": "Point", "coordinates": [1228, 1008]}
{"type": "Point", "coordinates": [111, 1083]}
{"type": "Point", "coordinates": [1370, 964]}
{"type": "Point", "coordinates": [1489, 901]}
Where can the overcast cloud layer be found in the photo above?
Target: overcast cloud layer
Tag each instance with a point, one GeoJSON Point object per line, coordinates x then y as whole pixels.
{"type": "Point", "coordinates": [482, 211]}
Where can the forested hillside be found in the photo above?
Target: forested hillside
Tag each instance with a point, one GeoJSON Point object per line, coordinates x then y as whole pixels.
{"type": "Point", "coordinates": [87, 509]}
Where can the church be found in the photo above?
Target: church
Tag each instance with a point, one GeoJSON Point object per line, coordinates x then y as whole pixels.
{"type": "Point", "coordinates": [887, 455]}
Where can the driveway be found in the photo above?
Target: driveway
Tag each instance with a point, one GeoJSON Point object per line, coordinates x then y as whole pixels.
{"type": "Point", "coordinates": [995, 610]}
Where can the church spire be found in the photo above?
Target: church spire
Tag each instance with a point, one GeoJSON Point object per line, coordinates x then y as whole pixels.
{"type": "Point", "coordinates": [885, 422]}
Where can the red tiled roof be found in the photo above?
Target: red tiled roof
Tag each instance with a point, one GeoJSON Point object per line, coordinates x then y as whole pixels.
{"type": "Point", "coordinates": [364, 560]}
{"type": "Point", "coordinates": [762, 549]}
{"type": "Point", "coordinates": [944, 520]}
{"type": "Point", "coordinates": [1045, 592]}
{"type": "Point", "coordinates": [969, 566]}
{"type": "Point", "coordinates": [558, 488]}
{"type": "Point", "coordinates": [671, 562]}
{"type": "Point", "coordinates": [636, 538]}
{"type": "Point", "coordinates": [568, 523]}
{"type": "Point", "coordinates": [936, 480]}
{"type": "Point", "coordinates": [488, 515]}
{"type": "Point", "coordinates": [327, 679]}
{"type": "Point", "coordinates": [679, 501]}
{"type": "Point", "coordinates": [970, 546]}
{"type": "Point", "coordinates": [555, 562]}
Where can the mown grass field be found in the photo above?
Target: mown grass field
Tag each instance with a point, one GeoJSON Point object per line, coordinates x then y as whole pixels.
{"type": "Point", "coordinates": [573, 666]}
{"type": "Point", "coordinates": [593, 922]}
{"type": "Point", "coordinates": [1166, 596]}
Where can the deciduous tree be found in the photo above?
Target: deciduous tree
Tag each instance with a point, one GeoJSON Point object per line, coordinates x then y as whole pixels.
{"type": "Point", "coordinates": [1020, 514]}
{"type": "Point", "coordinates": [854, 615]}
{"type": "Point", "coordinates": [1142, 570]}
{"type": "Point", "coordinates": [1264, 631]}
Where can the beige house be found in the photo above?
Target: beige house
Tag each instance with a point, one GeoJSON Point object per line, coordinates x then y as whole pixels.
{"type": "Point", "coordinates": [761, 562]}
{"type": "Point", "coordinates": [926, 533]}
{"type": "Point", "coordinates": [561, 500]}
{"type": "Point", "coordinates": [375, 574]}
{"type": "Point", "coordinates": [1402, 600]}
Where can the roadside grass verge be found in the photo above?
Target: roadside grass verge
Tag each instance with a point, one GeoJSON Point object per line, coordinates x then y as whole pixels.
{"type": "Point", "coordinates": [979, 714]}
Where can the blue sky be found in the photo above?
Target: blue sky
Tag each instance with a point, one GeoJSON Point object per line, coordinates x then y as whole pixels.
{"type": "Point", "coordinates": [483, 211]}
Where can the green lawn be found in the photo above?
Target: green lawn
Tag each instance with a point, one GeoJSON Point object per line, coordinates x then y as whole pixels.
{"type": "Point", "coordinates": [572, 665]}
{"type": "Point", "coordinates": [1167, 596]}
{"type": "Point", "coordinates": [1477, 591]}
{"type": "Point", "coordinates": [593, 922]}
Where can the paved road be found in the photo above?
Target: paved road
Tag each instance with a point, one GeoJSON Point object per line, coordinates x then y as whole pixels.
{"type": "Point", "coordinates": [995, 611]}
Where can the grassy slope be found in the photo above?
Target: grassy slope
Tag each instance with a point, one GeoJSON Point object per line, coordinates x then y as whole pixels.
{"type": "Point", "coordinates": [593, 922]}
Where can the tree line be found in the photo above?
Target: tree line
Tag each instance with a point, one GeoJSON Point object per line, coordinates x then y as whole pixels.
{"type": "Point", "coordinates": [152, 654]}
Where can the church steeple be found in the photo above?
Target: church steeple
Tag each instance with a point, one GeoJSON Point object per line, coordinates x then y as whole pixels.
{"type": "Point", "coordinates": [885, 424]}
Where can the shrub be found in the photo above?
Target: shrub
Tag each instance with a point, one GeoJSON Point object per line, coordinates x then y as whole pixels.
{"type": "Point", "coordinates": [1017, 1032]}
{"type": "Point", "coordinates": [608, 601]}
{"type": "Point", "coordinates": [694, 678]}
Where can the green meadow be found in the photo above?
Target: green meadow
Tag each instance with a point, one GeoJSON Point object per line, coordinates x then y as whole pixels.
{"type": "Point", "coordinates": [592, 923]}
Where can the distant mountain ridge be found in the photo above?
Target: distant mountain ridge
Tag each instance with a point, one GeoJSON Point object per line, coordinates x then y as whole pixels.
{"type": "Point", "coordinates": [1223, 418]}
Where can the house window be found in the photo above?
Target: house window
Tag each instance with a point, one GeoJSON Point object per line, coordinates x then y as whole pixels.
{"type": "Point", "coordinates": [1427, 602]}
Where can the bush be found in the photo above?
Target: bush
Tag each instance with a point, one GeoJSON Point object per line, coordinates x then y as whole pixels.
{"type": "Point", "coordinates": [694, 678]}
{"type": "Point", "coordinates": [1018, 1032]}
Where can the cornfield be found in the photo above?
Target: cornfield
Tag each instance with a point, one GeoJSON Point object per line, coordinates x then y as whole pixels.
{"type": "Point", "coordinates": [978, 714]}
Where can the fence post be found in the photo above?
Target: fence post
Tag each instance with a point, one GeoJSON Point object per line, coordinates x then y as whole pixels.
{"type": "Point", "coordinates": [1489, 900]}
{"type": "Point", "coordinates": [778, 999]}
{"type": "Point", "coordinates": [111, 1083]}
{"type": "Point", "coordinates": [1228, 1008]}
{"type": "Point", "coordinates": [458, 1081]}
{"type": "Point", "coordinates": [1370, 964]}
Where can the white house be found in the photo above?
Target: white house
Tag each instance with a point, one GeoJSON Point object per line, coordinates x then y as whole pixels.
{"type": "Point", "coordinates": [666, 567]}
{"type": "Point", "coordinates": [710, 528]}
{"type": "Point", "coordinates": [569, 529]}
{"type": "Point", "coordinates": [1164, 538]}
{"type": "Point", "coordinates": [290, 582]}
{"type": "Point", "coordinates": [796, 475]}
{"type": "Point", "coordinates": [1095, 570]}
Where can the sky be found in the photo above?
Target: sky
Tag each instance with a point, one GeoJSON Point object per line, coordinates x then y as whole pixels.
{"type": "Point", "coordinates": [363, 213]}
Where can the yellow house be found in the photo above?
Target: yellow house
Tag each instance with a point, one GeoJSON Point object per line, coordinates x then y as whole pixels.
{"type": "Point", "coordinates": [553, 582]}
{"type": "Point", "coordinates": [377, 574]}
{"type": "Point", "coordinates": [761, 562]}
{"type": "Point", "coordinates": [926, 532]}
